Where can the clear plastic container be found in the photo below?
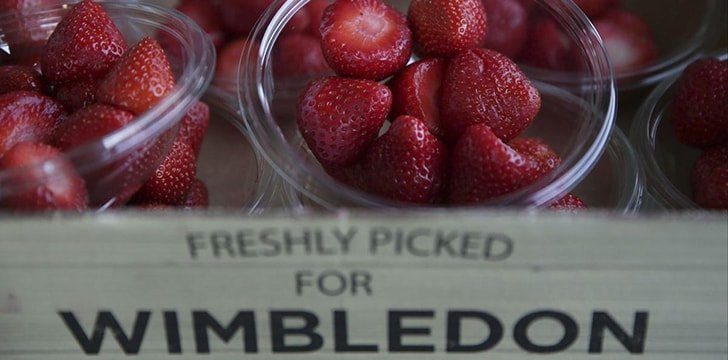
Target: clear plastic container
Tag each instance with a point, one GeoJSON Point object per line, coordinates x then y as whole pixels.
{"type": "Point", "coordinates": [667, 163]}
{"type": "Point", "coordinates": [103, 162]}
{"type": "Point", "coordinates": [577, 123]}
{"type": "Point", "coordinates": [682, 33]}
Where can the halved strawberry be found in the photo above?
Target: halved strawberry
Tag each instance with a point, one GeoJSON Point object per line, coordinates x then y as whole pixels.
{"type": "Point", "coordinates": [568, 203]}
{"type": "Point", "coordinates": [239, 16]}
{"type": "Point", "coordinates": [18, 77]}
{"type": "Point", "coordinates": [508, 20]}
{"type": "Point", "coordinates": [594, 8]}
{"type": "Point", "coordinates": [407, 163]}
{"type": "Point", "coordinates": [483, 86]}
{"type": "Point", "coordinates": [172, 180]}
{"type": "Point", "coordinates": [699, 111]}
{"type": "Point", "coordinates": [483, 167]}
{"type": "Point", "coordinates": [84, 45]}
{"type": "Point", "coordinates": [340, 117]}
{"type": "Point", "coordinates": [315, 9]}
{"type": "Point", "coordinates": [299, 55]}
{"type": "Point", "coordinates": [206, 15]}
{"type": "Point", "coordinates": [710, 178]}
{"type": "Point", "coordinates": [538, 150]}
{"type": "Point", "coordinates": [365, 39]}
{"type": "Point", "coordinates": [77, 95]}
{"type": "Point", "coordinates": [446, 28]}
{"type": "Point", "coordinates": [27, 116]}
{"type": "Point", "coordinates": [629, 43]}
{"type": "Point", "coordinates": [32, 187]}
{"type": "Point", "coordinates": [416, 92]}
{"type": "Point", "coordinates": [198, 197]}
{"type": "Point", "coordinates": [194, 125]}
{"type": "Point", "coordinates": [140, 79]}
{"type": "Point", "coordinates": [547, 46]}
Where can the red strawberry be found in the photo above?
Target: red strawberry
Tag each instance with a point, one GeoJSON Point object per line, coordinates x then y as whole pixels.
{"type": "Point", "coordinates": [509, 19]}
{"type": "Point", "coordinates": [407, 163]}
{"type": "Point", "coordinates": [14, 5]}
{"type": "Point", "coordinates": [299, 55]}
{"type": "Point", "coordinates": [298, 24]}
{"type": "Point", "coordinates": [229, 59]}
{"type": "Point", "coordinates": [27, 116]}
{"type": "Point", "coordinates": [352, 175]}
{"type": "Point", "coordinates": [24, 33]}
{"type": "Point", "coordinates": [206, 16]}
{"type": "Point", "coordinates": [446, 28]}
{"type": "Point", "coordinates": [365, 39]}
{"type": "Point", "coordinates": [315, 9]}
{"type": "Point", "coordinates": [547, 46]}
{"type": "Point", "coordinates": [340, 117]}
{"type": "Point", "coordinates": [32, 187]}
{"type": "Point", "coordinates": [594, 8]}
{"type": "Point", "coordinates": [416, 92]}
{"type": "Point", "coordinates": [710, 178]}
{"type": "Point", "coordinates": [198, 197]}
{"type": "Point", "coordinates": [239, 16]}
{"type": "Point", "coordinates": [18, 77]}
{"type": "Point", "coordinates": [172, 180]}
{"type": "Point", "coordinates": [78, 95]}
{"type": "Point", "coordinates": [628, 41]}
{"type": "Point", "coordinates": [90, 123]}
{"type": "Point", "coordinates": [568, 203]}
{"type": "Point", "coordinates": [194, 126]}
{"type": "Point", "coordinates": [483, 167]}
{"type": "Point", "coordinates": [529, 5]}
{"type": "Point", "coordinates": [699, 110]}
{"type": "Point", "coordinates": [84, 45]}
{"type": "Point", "coordinates": [483, 86]}
{"type": "Point", "coordinates": [139, 80]}
{"type": "Point", "coordinates": [537, 150]}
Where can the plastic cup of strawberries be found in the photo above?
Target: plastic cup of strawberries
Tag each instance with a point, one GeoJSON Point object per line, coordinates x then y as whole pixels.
{"type": "Point", "coordinates": [99, 106]}
{"type": "Point", "coordinates": [415, 110]}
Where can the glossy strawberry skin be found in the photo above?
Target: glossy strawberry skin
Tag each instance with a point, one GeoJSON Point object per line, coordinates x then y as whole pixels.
{"type": "Point", "coordinates": [84, 45]}
{"type": "Point", "coordinates": [509, 21]}
{"type": "Point", "coordinates": [316, 9]}
{"type": "Point", "coordinates": [547, 46]}
{"type": "Point", "coordinates": [340, 117]}
{"type": "Point", "coordinates": [483, 167]}
{"type": "Point", "coordinates": [568, 203]}
{"type": "Point", "coordinates": [299, 56]}
{"type": "Point", "coordinates": [78, 95]}
{"type": "Point", "coordinates": [416, 92]}
{"type": "Point", "coordinates": [483, 86]}
{"type": "Point", "coordinates": [365, 39]}
{"type": "Point", "coordinates": [536, 149]}
{"type": "Point", "coordinates": [699, 110]}
{"type": "Point", "coordinates": [628, 40]}
{"type": "Point", "coordinates": [172, 180]}
{"type": "Point", "coordinates": [446, 28]}
{"type": "Point", "coordinates": [33, 187]}
{"type": "Point", "coordinates": [407, 163]}
{"type": "Point", "coordinates": [89, 124]}
{"type": "Point", "coordinates": [140, 79]}
{"type": "Point", "coordinates": [194, 126]}
{"type": "Point", "coordinates": [710, 178]}
{"type": "Point", "coordinates": [27, 116]}
{"type": "Point", "coordinates": [198, 197]}
{"type": "Point", "coordinates": [19, 78]}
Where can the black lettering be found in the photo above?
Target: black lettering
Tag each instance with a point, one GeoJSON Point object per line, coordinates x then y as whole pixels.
{"type": "Point", "coordinates": [171, 329]}
{"type": "Point", "coordinates": [222, 241]}
{"type": "Point", "coordinates": [345, 239]}
{"type": "Point", "coordinates": [361, 279]}
{"type": "Point", "coordinates": [520, 332]}
{"type": "Point", "coordinates": [302, 279]}
{"type": "Point", "coordinates": [339, 283]}
{"type": "Point", "coordinates": [245, 243]}
{"type": "Point", "coordinates": [635, 344]}
{"type": "Point", "coordinates": [379, 237]}
{"type": "Point", "coordinates": [454, 338]}
{"type": "Point", "coordinates": [498, 239]}
{"type": "Point", "coordinates": [341, 336]}
{"type": "Point", "coordinates": [245, 320]}
{"type": "Point", "coordinates": [411, 242]}
{"type": "Point", "coordinates": [267, 237]}
{"type": "Point", "coordinates": [321, 248]}
{"type": "Point", "coordinates": [104, 320]}
{"type": "Point", "coordinates": [291, 241]}
{"type": "Point", "coordinates": [467, 244]}
{"type": "Point", "coordinates": [443, 242]}
{"type": "Point", "coordinates": [279, 332]}
{"type": "Point", "coordinates": [397, 331]}
{"type": "Point", "coordinates": [193, 244]}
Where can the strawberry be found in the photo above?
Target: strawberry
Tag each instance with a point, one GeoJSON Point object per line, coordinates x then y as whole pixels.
{"type": "Point", "coordinates": [528, 5]}
{"type": "Point", "coordinates": [194, 125]}
{"type": "Point", "coordinates": [298, 23]}
{"type": "Point", "coordinates": [483, 86]}
{"type": "Point", "coordinates": [26, 32]}
{"type": "Point", "coordinates": [229, 59]}
{"type": "Point", "coordinates": [172, 180]}
{"type": "Point", "coordinates": [78, 95]}
{"type": "Point", "coordinates": [205, 14]}
{"type": "Point", "coordinates": [198, 197]}
{"type": "Point", "coordinates": [407, 163]}
{"type": "Point", "coordinates": [568, 203]}
{"type": "Point", "coordinates": [27, 116]}
{"type": "Point", "coordinates": [32, 187]}
{"type": "Point", "coordinates": [483, 167]}
{"type": "Point", "coordinates": [315, 9]}
{"type": "Point", "coordinates": [299, 55]}
{"type": "Point", "coordinates": [710, 178]}
{"type": "Point", "coordinates": [509, 19]}
{"type": "Point", "coordinates": [239, 16]}
{"type": "Point", "coordinates": [547, 46]}
{"type": "Point", "coordinates": [416, 92]}
{"type": "Point", "coordinates": [365, 39]}
{"type": "Point", "coordinates": [699, 110]}
{"type": "Point", "coordinates": [446, 28]}
{"type": "Point", "coordinates": [628, 41]}
{"type": "Point", "coordinates": [594, 8]}
{"type": "Point", "coordinates": [538, 150]}
{"type": "Point", "coordinates": [18, 77]}
{"type": "Point", "coordinates": [15, 5]}
{"type": "Point", "coordinates": [340, 117]}
{"type": "Point", "coordinates": [352, 175]}
{"type": "Point", "coordinates": [139, 80]}
{"type": "Point", "coordinates": [90, 123]}
{"type": "Point", "coordinates": [84, 45]}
